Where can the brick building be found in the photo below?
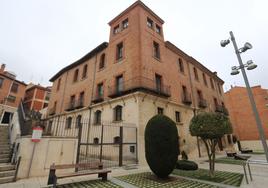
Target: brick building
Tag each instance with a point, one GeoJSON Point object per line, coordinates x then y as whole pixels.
{"type": "Point", "coordinates": [242, 117]}
{"type": "Point", "coordinates": [132, 78]}
{"type": "Point", "coordinates": [11, 93]}
{"type": "Point", "coordinates": [36, 97]}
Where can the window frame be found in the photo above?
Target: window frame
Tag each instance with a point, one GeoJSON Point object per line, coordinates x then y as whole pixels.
{"type": "Point", "coordinates": [156, 50]}
{"type": "Point", "coordinates": [68, 122]}
{"type": "Point", "coordinates": [158, 29]}
{"type": "Point", "coordinates": [76, 75]}
{"type": "Point", "coordinates": [205, 79]}
{"type": "Point", "coordinates": [178, 116]}
{"type": "Point", "coordinates": [1, 82]}
{"type": "Point", "coordinates": [196, 74]}
{"type": "Point", "coordinates": [125, 23]}
{"type": "Point", "coordinates": [181, 65]}
{"type": "Point", "coordinates": [119, 51]}
{"type": "Point", "coordinates": [97, 117]}
{"type": "Point", "coordinates": [100, 86]}
{"type": "Point", "coordinates": [116, 29]}
{"type": "Point", "coordinates": [150, 23]}
{"type": "Point", "coordinates": [118, 113]}
{"type": "Point", "coordinates": [14, 88]}
{"type": "Point", "coordinates": [160, 111]}
{"type": "Point", "coordinates": [102, 61]}
{"type": "Point", "coordinates": [84, 74]}
{"type": "Point", "coordinates": [119, 83]}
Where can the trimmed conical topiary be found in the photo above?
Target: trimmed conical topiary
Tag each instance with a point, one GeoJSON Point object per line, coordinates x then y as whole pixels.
{"type": "Point", "coordinates": [161, 145]}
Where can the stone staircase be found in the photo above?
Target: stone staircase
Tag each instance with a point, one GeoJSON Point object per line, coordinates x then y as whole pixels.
{"type": "Point", "coordinates": [7, 170]}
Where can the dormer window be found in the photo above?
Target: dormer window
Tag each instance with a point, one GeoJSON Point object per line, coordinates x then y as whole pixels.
{"type": "Point", "coordinates": [116, 29]}
{"type": "Point", "coordinates": [158, 29]}
{"type": "Point", "coordinates": [150, 23]}
{"type": "Point", "coordinates": [125, 24]}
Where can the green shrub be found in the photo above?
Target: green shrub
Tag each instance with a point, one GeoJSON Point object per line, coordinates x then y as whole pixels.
{"type": "Point", "coordinates": [161, 145]}
{"type": "Point", "coordinates": [184, 156]}
{"type": "Point", "coordinates": [186, 165]}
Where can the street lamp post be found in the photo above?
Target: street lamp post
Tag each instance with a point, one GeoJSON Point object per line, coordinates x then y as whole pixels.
{"type": "Point", "coordinates": [250, 65]}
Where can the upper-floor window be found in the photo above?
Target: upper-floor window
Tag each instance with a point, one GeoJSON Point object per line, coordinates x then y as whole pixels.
{"type": "Point", "coordinates": [78, 121]}
{"type": "Point", "coordinates": [125, 24]}
{"type": "Point", "coordinates": [81, 99]}
{"type": "Point", "coordinates": [158, 82]}
{"type": "Point", "coordinates": [211, 83]}
{"type": "Point", "coordinates": [219, 87]}
{"type": "Point", "coordinates": [156, 49]}
{"type": "Point", "coordinates": [150, 23]}
{"type": "Point", "coordinates": [119, 83]}
{"type": "Point", "coordinates": [1, 82]}
{"type": "Point", "coordinates": [116, 29]}
{"type": "Point", "coordinates": [102, 61]}
{"type": "Point", "coordinates": [199, 95]}
{"type": "Point", "coordinates": [205, 79]}
{"type": "Point", "coordinates": [76, 72]}
{"type": "Point", "coordinates": [215, 102]}
{"type": "Point", "coordinates": [58, 85]}
{"type": "Point", "coordinates": [160, 111]}
{"type": "Point", "coordinates": [72, 102]}
{"type": "Point", "coordinates": [119, 51]}
{"type": "Point", "coordinates": [11, 98]}
{"type": "Point", "coordinates": [178, 116]}
{"type": "Point", "coordinates": [196, 74]}
{"type": "Point", "coordinates": [100, 90]}
{"type": "Point", "coordinates": [158, 29]}
{"type": "Point", "coordinates": [118, 113]}
{"type": "Point", "coordinates": [14, 88]}
{"type": "Point", "coordinates": [181, 66]}
{"type": "Point", "coordinates": [84, 75]}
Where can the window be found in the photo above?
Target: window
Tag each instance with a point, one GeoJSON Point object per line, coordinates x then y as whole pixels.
{"type": "Point", "coordinates": [76, 72]}
{"type": "Point", "coordinates": [160, 111]}
{"type": "Point", "coordinates": [150, 23]}
{"type": "Point", "coordinates": [81, 99]}
{"type": "Point", "coordinates": [125, 24]}
{"type": "Point", "coordinates": [195, 74]}
{"type": "Point", "coordinates": [211, 83]}
{"type": "Point", "coordinates": [158, 82]}
{"type": "Point", "coordinates": [132, 149]}
{"type": "Point", "coordinates": [156, 49]}
{"type": "Point", "coordinates": [96, 140]}
{"type": "Point", "coordinates": [78, 121]}
{"type": "Point", "coordinates": [84, 75]}
{"type": "Point", "coordinates": [181, 66]}
{"type": "Point", "coordinates": [178, 116]}
{"type": "Point", "coordinates": [219, 87]}
{"type": "Point", "coordinates": [199, 95]}
{"type": "Point", "coordinates": [215, 102]}
{"type": "Point", "coordinates": [11, 98]}
{"type": "Point", "coordinates": [117, 140]}
{"type": "Point", "coordinates": [119, 51]}
{"type": "Point", "coordinates": [205, 79]}
{"type": "Point", "coordinates": [158, 29]}
{"type": "Point", "coordinates": [58, 85]}
{"type": "Point", "coordinates": [118, 113]}
{"type": "Point", "coordinates": [116, 29]}
{"type": "Point", "coordinates": [72, 102]}
{"type": "Point", "coordinates": [97, 117]}
{"type": "Point", "coordinates": [68, 123]}
{"type": "Point", "coordinates": [1, 82]}
{"type": "Point", "coordinates": [102, 61]}
{"type": "Point", "coordinates": [119, 83]}
{"type": "Point", "coordinates": [100, 90]}
{"type": "Point", "coordinates": [14, 88]}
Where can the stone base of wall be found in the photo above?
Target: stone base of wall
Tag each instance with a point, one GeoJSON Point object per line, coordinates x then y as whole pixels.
{"type": "Point", "coordinates": [252, 144]}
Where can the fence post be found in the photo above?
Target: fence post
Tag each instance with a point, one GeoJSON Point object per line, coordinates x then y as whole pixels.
{"type": "Point", "coordinates": [101, 142]}
{"type": "Point", "coordinates": [121, 146]}
{"type": "Point", "coordinates": [79, 143]}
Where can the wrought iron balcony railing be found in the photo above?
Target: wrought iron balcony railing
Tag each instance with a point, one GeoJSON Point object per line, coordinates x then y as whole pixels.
{"type": "Point", "coordinates": [52, 111]}
{"type": "Point", "coordinates": [186, 98]}
{"type": "Point", "coordinates": [72, 105]}
{"type": "Point", "coordinates": [221, 109]}
{"type": "Point", "coordinates": [97, 98]}
{"type": "Point", "coordinates": [202, 103]}
{"type": "Point", "coordinates": [139, 84]}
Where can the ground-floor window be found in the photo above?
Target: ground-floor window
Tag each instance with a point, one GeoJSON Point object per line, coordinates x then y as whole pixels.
{"type": "Point", "coordinates": [7, 117]}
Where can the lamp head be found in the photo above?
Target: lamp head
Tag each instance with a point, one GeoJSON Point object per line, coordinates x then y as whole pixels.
{"type": "Point", "coordinates": [225, 42]}
{"type": "Point", "coordinates": [246, 47]}
{"type": "Point", "coordinates": [234, 71]}
{"type": "Point", "coordinates": [251, 65]}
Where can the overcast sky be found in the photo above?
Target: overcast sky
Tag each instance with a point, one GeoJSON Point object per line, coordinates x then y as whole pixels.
{"type": "Point", "coordinates": [40, 37]}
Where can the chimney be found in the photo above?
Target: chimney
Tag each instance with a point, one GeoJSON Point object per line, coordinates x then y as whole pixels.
{"type": "Point", "coordinates": [3, 66]}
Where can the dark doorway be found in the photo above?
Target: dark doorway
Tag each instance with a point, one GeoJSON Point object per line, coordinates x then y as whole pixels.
{"type": "Point", "coordinates": [7, 117]}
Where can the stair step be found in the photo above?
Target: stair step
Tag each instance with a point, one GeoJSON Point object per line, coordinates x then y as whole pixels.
{"type": "Point", "coordinates": [6, 167]}
{"type": "Point", "coordinates": [6, 155]}
{"type": "Point", "coordinates": [6, 179]}
{"type": "Point", "coordinates": [4, 146]}
{"type": "Point", "coordinates": [4, 160]}
{"type": "Point", "coordinates": [7, 173]}
{"type": "Point", "coordinates": [5, 151]}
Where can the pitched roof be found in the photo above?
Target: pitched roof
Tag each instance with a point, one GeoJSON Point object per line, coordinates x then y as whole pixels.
{"type": "Point", "coordinates": [80, 61]}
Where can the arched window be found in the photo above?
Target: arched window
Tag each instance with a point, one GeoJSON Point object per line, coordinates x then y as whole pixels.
{"type": "Point", "coordinates": [118, 113]}
{"type": "Point", "coordinates": [102, 61]}
{"type": "Point", "coordinates": [96, 140]}
{"type": "Point", "coordinates": [68, 123]}
{"type": "Point", "coordinates": [84, 75]}
{"type": "Point", "coordinates": [117, 140]}
{"type": "Point", "coordinates": [78, 121]}
{"type": "Point", "coordinates": [97, 117]}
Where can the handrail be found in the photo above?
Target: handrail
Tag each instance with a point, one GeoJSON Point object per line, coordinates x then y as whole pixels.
{"type": "Point", "coordinates": [17, 165]}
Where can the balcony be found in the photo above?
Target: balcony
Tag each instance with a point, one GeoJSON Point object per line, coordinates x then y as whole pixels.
{"type": "Point", "coordinates": [186, 98]}
{"type": "Point", "coordinates": [139, 84]}
{"type": "Point", "coordinates": [72, 105]}
{"type": "Point", "coordinates": [202, 103]}
{"type": "Point", "coordinates": [221, 109]}
{"type": "Point", "coordinates": [97, 98]}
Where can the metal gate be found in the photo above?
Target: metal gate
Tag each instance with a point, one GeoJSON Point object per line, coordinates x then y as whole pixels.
{"type": "Point", "coordinates": [113, 144]}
